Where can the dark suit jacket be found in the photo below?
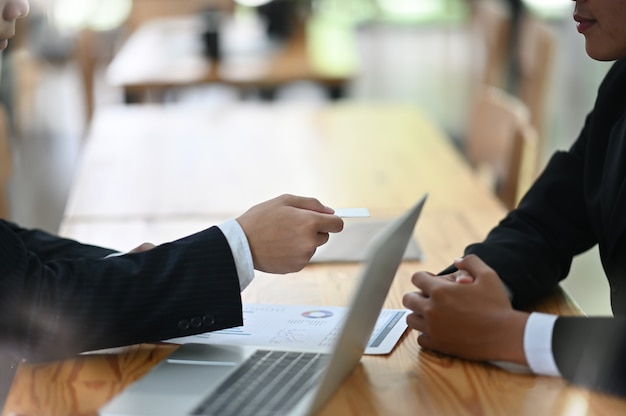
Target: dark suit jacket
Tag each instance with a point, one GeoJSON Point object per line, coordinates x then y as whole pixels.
{"type": "Point", "coordinates": [578, 201]}
{"type": "Point", "coordinates": [59, 297]}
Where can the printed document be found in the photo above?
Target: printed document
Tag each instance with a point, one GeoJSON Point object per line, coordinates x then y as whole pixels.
{"type": "Point", "coordinates": [302, 326]}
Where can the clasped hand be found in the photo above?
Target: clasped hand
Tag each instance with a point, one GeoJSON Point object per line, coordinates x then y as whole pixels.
{"type": "Point", "coordinates": [466, 314]}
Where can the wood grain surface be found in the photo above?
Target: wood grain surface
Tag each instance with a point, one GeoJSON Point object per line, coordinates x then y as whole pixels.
{"type": "Point", "coordinates": [142, 179]}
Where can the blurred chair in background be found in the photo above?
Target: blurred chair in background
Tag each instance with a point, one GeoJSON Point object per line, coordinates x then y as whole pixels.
{"type": "Point", "coordinates": [501, 144]}
{"type": "Point", "coordinates": [491, 25]}
{"type": "Point", "coordinates": [6, 163]}
{"type": "Point", "coordinates": [21, 75]}
{"type": "Point", "coordinates": [41, 43]}
{"type": "Point", "coordinates": [524, 72]}
{"type": "Point", "coordinates": [87, 56]}
{"type": "Point", "coordinates": [537, 46]}
{"type": "Point", "coordinates": [517, 51]}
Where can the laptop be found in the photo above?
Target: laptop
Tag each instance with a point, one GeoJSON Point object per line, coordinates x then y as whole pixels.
{"type": "Point", "coordinates": [205, 379]}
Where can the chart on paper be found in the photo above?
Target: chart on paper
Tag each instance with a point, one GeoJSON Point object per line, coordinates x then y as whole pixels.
{"type": "Point", "coordinates": [302, 326]}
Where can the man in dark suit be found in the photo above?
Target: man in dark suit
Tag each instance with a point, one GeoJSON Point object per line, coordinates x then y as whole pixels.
{"type": "Point", "coordinates": [578, 201]}
{"type": "Point", "coordinates": [59, 297]}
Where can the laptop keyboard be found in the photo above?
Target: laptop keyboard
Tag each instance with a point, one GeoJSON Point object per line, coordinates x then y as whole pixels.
{"type": "Point", "coordinates": [267, 383]}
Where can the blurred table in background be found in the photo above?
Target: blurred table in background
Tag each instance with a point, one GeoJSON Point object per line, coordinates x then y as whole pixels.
{"type": "Point", "coordinates": [167, 53]}
{"type": "Point", "coordinates": [156, 173]}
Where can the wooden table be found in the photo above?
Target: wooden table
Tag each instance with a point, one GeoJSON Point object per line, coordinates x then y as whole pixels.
{"type": "Point", "coordinates": [167, 53]}
{"type": "Point", "coordinates": [157, 173]}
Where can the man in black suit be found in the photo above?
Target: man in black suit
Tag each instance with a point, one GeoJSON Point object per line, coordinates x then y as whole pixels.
{"type": "Point", "coordinates": [59, 297]}
{"type": "Point", "coordinates": [579, 200]}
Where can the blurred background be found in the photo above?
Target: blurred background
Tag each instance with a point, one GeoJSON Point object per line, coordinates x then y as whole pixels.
{"type": "Point", "coordinates": [71, 57]}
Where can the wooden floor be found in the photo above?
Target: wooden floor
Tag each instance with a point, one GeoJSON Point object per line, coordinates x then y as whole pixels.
{"type": "Point", "coordinates": [427, 65]}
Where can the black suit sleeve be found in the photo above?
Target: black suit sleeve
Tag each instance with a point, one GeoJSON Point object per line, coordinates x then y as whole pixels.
{"type": "Point", "coordinates": [54, 304]}
{"type": "Point", "coordinates": [591, 352]}
{"type": "Point", "coordinates": [532, 248]}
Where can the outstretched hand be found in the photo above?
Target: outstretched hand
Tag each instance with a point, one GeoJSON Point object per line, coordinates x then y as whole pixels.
{"type": "Point", "coordinates": [284, 232]}
{"type": "Point", "coordinates": [466, 314]}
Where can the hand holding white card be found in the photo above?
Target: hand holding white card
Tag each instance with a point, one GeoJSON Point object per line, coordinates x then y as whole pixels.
{"type": "Point", "coordinates": [352, 212]}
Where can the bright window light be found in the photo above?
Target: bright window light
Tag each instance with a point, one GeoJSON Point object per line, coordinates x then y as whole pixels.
{"type": "Point", "coordinates": [398, 7]}
{"type": "Point", "coordinates": [93, 14]}
{"type": "Point", "coordinates": [252, 3]}
{"type": "Point", "coordinates": [550, 7]}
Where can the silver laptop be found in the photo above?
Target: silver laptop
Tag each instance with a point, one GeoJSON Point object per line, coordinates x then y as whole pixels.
{"type": "Point", "coordinates": [202, 379]}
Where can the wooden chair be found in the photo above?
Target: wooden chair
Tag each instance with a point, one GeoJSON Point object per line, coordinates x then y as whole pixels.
{"type": "Point", "coordinates": [86, 55]}
{"type": "Point", "coordinates": [24, 70]}
{"type": "Point", "coordinates": [6, 163]}
{"type": "Point", "coordinates": [537, 45]}
{"type": "Point", "coordinates": [490, 25]}
{"type": "Point", "coordinates": [501, 144]}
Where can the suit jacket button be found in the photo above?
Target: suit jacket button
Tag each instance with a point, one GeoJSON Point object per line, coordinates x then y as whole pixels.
{"type": "Point", "coordinates": [196, 322]}
{"type": "Point", "coordinates": [208, 320]}
{"type": "Point", "coordinates": [183, 324]}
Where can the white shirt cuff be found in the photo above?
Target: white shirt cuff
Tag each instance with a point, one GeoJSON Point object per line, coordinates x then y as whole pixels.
{"type": "Point", "coordinates": [538, 344]}
{"type": "Point", "coordinates": [241, 251]}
